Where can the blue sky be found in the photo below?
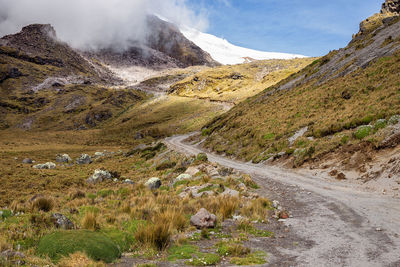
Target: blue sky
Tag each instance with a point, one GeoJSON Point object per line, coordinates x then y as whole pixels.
{"type": "Point", "coordinates": [308, 27]}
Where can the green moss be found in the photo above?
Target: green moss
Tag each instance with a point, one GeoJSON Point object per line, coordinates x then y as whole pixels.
{"type": "Point", "coordinates": [269, 136]}
{"type": "Point", "coordinates": [122, 239]}
{"type": "Point", "coordinates": [4, 214]}
{"type": "Point", "coordinates": [256, 258]}
{"type": "Point", "coordinates": [96, 245]}
{"type": "Point", "coordinates": [380, 124]}
{"type": "Point", "coordinates": [363, 131]}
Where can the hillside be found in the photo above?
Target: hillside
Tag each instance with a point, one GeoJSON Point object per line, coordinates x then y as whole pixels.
{"type": "Point", "coordinates": [235, 83]}
{"type": "Point", "coordinates": [347, 98]}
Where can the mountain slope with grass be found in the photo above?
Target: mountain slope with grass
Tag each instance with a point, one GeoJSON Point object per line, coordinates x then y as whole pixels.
{"type": "Point", "coordinates": [342, 99]}
{"type": "Point", "coordinates": [235, 83]}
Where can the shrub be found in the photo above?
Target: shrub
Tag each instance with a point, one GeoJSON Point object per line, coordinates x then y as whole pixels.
{"type": "Point", "coordinates": [202, 157]}
{"type": "Point", "coordinates": [89, 222]}
{"type": "Point", "coordinates": [4, 214]}
{"type": "Point", "coordinates": [43, 204]}
{"type": "Point", "coordinates": [95, 245]}
{"type": "Point", "coordinates": [363, 131]}
{"type": "Point", "coordinates": [380, 124]}
{"type": "Point", "coordinates": [156, 235]}
{"type": "Point", "coordinates": [105, 193]}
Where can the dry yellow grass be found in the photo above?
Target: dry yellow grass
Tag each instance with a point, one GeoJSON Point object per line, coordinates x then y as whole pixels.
{"type": "Point", "coordinates": [78, 259]}
{"type": "Point", "coordinates": [238, 82]}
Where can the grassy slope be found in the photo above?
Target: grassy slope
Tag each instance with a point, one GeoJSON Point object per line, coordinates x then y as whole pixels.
{"type": "Point", "coordinates": [160, 118]}
{"type": "Point", "coordinates": [261, 125]}
{"type": "Point", "coordinates": [238, 82]}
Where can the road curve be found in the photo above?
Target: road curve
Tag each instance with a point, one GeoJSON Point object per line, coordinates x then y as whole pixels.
{"type": "Point", "coordinates": [345, 225]}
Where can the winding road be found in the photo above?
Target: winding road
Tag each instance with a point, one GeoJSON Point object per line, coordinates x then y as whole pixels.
{"type": "Point", "coordinates": [342, 225]}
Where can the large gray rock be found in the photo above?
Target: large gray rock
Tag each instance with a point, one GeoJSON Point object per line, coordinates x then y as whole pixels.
{"type": "Point", "coordinates": [99, 176]}
{"type": "Point", "coordinates": [61, 221]}
{"type": "Point", "coordinates": [153, 183]}
{"type": "Point", "coordinates": [203, 219]}
{"type": "Point", "coordinates": [230, 193]}
{"type": "Point", "coordinates": [198, 191]}
{"type": "Point", "coordinates": [84, 159]}
{"type": "Point", "coordinates": [64, 158]}
{"type": "Point", "coordinates": [192, 171]}
{"type": "Point", "coordinates": [27, 161]}
{"type": "Point", "coordinates": [47, 165]}
{"type": "Point", "coordinates": [183, 177]}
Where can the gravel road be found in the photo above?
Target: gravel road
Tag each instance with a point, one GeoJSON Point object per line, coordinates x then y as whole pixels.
{"type": "Point", "coordinates": [343, 225]}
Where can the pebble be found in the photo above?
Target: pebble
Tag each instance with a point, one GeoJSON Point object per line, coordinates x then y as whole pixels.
{"type": "Point", "coordinates": [378, 229]}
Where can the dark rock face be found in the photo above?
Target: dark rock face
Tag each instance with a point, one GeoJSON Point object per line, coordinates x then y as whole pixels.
{"type": "Point", "coordinates": [164, 47]}
{"type": "Point", "coordinates": [391, 6]}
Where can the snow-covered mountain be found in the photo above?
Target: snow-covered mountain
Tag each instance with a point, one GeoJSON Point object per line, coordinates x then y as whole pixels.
{"type": "Point", "coordinates": [226, 53]}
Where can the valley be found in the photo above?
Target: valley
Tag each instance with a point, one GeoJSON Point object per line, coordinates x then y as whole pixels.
{"type": "Point", "coordinates": [158, 155]}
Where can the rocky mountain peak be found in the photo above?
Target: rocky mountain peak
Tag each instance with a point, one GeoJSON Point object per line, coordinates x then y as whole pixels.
{"type": "Point", "coordinates": [391, 6]}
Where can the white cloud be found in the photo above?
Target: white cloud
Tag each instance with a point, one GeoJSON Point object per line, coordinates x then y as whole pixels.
{"type": "Point", "coordinates": [95, 23]}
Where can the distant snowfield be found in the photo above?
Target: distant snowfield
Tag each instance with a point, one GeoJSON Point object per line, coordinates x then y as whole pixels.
{"type": "Point", "coordinates": [226, 53]}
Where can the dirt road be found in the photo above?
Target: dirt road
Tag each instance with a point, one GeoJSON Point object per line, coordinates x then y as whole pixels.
{"type": "Point", "coordinates": [341, 225]}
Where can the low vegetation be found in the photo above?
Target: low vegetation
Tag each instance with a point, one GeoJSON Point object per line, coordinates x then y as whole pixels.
{"type": "Point", "coordinates": [112, 217]}
{"type": "Point", "coordinates": [335, 113]}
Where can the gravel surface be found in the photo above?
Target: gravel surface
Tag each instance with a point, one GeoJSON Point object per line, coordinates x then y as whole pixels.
{"type": "Point", "coordinates": [335, 224]}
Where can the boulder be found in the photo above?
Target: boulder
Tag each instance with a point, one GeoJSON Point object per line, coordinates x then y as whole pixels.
{"type": "Point", "coordinates": [203, 219]}
{"type": "Point", "coordinates": [99, 176]}
{"type": "Point", "coordinates": [65, 158]}
{"type": "Point", "coordinates": [192, 171]}
{"type": "Point", "coordinates": [84, 159]}
{"type": "Point", "coordinates": [47, 165]}
{"type": "Point", "coordinates": [230, 193]}
{"type": "Point", "coordinates": [27, 161]}
{"type": "Point", "coordinates": [128, 181]}
{"type": "Point", "coordinates": [153, 183]}
{"type": "Point", "coordinates": [61, 221]}
{"type": "Point", "coordinates": [183, 177]}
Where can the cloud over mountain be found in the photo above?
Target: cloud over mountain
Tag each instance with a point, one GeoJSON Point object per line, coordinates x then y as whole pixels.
{"type": "Point", "coordinates": [96, 24]}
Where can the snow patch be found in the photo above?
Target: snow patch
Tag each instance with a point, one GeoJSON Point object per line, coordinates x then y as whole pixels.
{"type": "Point", "coordinates": [226, 53]}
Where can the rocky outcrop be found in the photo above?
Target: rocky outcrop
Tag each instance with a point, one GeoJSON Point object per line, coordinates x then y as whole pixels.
{"type": "Point", "coordinates": [84, 159]}
{"type": "Point", "coordinates": [45, 166]}
{"type": "Point", "coordinates": [391, 6]}
{"type": "Point", "coordinates": [99, 176]}
{"type": "Point", "coordinates": [65, 158]}
{"type": "Point", "coordinates": [61, 221]}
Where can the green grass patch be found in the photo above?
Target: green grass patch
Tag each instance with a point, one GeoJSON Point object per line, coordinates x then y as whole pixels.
{"type": "Point", "coordinates": [204, 259]}
{"type": "Point", "coordinates": [363, 131]}
{"type": "Point", "coordinates": [122, 239]}
{"type": "Point", "coordinates": [183, 252]}
{"type": "Point", "coordinates": [255, 258]}
{"type": "Point", "coordinates": [97, 246]}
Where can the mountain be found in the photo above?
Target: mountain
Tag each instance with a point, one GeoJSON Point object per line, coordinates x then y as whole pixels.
{"type": "Point", "coordinates": [164, 47]}
{"type": "Point", "coordinates": [226, 53]}
{"type": "Point", "coordinates": [341, 103]}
